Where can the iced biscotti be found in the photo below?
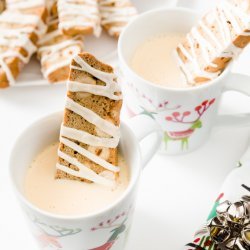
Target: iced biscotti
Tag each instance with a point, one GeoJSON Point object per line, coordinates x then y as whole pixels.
{"type": "Point", "coordinates": [2, 5]}
{"type": "Point", "coordinates": [218, 38]}
{"type": "Point", "coordinates": [56, 51]}
{"type": "Point", "coordinates": [20, 31]}
{"type": "Point", "coordinates": [50, 5]}
{"type": "Point", "coordinates": [115, 15]}
{"type": "Point", "coordinates": [90, 130]}
{"type": "Point", "coordinates": [34, 7]}
{"type": "Point", "coordinates": [79, 17]}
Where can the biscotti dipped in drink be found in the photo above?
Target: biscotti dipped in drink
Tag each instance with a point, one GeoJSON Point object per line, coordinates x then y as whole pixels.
{"type": "Point", "coordinates": [219, 37]}
{"type": "Point", "coordinates": [90, 171]}
{"type": "Point", "coordinates": [90, 131]}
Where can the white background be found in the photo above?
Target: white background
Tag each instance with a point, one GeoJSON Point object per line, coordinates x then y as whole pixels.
{"type": "Point", "coordinates": [176, 193]}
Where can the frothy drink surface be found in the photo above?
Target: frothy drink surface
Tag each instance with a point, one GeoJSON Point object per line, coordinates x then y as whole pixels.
{"type": "Point", "coordinates": [67, 197]}
{"type": "Point", "coordinates": [155, 60]}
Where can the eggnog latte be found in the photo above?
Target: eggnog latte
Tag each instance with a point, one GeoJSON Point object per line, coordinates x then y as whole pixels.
{"type": "Point", "coordinates": [67, 197]}
{"type": "Point", "coordinates": [155, 60]}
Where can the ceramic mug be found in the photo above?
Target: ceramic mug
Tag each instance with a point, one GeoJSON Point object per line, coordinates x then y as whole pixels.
{"type": "Point", "coordinates": [185, 115]}
{"type": "Point", "coordinates": [106, 229]}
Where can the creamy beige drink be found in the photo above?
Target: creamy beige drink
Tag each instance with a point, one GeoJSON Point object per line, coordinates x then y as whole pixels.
{"type": "Point", "coordinates": [155, 60]}
{"type": "Point", "coordinates": [67, 197]}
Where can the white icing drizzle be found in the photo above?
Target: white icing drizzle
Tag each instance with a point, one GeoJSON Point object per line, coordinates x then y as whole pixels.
{"type": "Point", "coordinates": [94, 89]}
{"type": "Point", "coordinates": [20, 41]}
{"type": "Point", "coordinates": [18, 4]}
{"type": "Point", "coordinates": [104, 76]}
{"type": "Point", "coordinates": [83, 172]}
{"type": "Point", "coordinates": [15, 32]}
{"type": "Point", "coordinates": [116, 13]}
{"type": "Point", "coordinates": [210, 34]}
{"type": "Point", "coordinates": [16, 17]}
{"type": "Point", "coordinates": [110, 132]}
{"type": "Point", "coordinates": [49, 36]}
{"type": "Point", "coordinates": [58, 46]}
{"type": "Point", "coordinates": [89, 155]}
{"type": "Point", "coordinates": [17, 37]}
{"type": "Point", "coordinates": [109, 90]}
{"type": "Point", "coordinates": [7, 71]}
{"type": "Point", "coordinates": [47, 70]}
{"type": "Point", "coordinates": [82, 13]}
{"type": "Point", "coordinates": [48, 55]}
{"type": "Point", "coordinates": [104, 125]}
{"type": "Point", "coordinates": [89, 139]}
{"type": "Point", "coordinates": [214, 47]}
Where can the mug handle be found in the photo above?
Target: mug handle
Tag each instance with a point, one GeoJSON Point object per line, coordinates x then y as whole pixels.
{"type": "Point", "coordinates": [142, 126]}
{"type": "Point", "coordinates": [240, 83]}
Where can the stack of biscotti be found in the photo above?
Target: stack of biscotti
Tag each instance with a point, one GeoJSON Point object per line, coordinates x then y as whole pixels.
{"type": "Point", "coordinates": [90, 131]}
{"type": "Point", "coordinates": [56, 49]}
{"type": "Point", "coordinates": [79, 17]}
{"type": "Point", "coordinates": [19, 32]}
{"type": "Point", "coordinates": [219, 37]}
{"type": "Point", "coordinates": [115, 15]}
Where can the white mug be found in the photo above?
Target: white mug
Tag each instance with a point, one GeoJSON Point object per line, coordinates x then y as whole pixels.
{"type": "Point", "coordinates": [185, 115]}
{"type": "Point", "coordinates": [106, 229]}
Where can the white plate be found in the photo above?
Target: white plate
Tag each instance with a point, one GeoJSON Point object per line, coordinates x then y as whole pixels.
{"type": "Point", "coordinates": [103, 48]}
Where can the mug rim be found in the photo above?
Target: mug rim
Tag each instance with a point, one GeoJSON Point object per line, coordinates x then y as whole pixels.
{"type": "Point", "coordinates": [149, 83]}
{"type": "Point", "coordinates": [132, 180]}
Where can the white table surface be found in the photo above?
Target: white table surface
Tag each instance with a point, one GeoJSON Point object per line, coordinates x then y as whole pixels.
{"type": "Point", "coordinates": [175, 195]}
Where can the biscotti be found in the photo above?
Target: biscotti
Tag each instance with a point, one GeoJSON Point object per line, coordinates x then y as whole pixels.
{"type": "Point", "coordinates": [90, 131]}
{"type": "Point", "coordinates": [115, 15]}
{"type": "Point", "coordinates": [2, 5]}
{"type": "Point", "coordinates": [219, 37]}
{"type": "Point", "coordinates": [79, 17]}
{"type": "Point", "coordinates": [34, 7]}
{"type": "Point", "coordinates": [50, 5]}
{"type": "Point", "coordinates": [56, 51]}
{"type": "Point", "coordinates": [19, 32]}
